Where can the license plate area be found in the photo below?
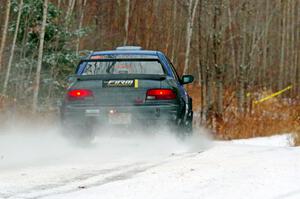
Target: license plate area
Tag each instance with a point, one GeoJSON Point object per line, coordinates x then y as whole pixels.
{"type": "Point", "coordinates": [119, 118]}
{"type": "Point", "coordinates": [92, 112]}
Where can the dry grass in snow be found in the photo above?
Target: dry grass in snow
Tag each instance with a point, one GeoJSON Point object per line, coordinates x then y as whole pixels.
{"type": "Point", "coordinates": [274, 116]}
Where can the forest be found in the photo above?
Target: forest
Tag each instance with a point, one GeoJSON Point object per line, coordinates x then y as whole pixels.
{"type": "Point", "coordinates": [244, 55]}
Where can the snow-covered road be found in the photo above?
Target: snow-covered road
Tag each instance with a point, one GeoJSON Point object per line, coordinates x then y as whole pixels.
{"type": "Point", "coordinates": [148, 167]}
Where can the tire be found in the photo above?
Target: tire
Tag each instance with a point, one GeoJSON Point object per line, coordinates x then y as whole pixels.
{"type": "Point", "coordinates": [185, 129]}
{"type": "Point", "coordinates": [187, 126]}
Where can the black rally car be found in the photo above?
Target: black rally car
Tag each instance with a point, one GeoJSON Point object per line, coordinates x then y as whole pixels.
{"type": "Point", "coordinates": [126, 87]}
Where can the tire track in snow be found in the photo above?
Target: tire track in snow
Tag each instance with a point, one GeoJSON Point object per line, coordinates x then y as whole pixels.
{"type": "Point", "coordinates": [66, 182]}
{"type": "Point", "coordinates": [92, 179]}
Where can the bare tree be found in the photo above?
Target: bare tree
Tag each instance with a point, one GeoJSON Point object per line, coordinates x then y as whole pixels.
{"type": "Point", "coordinates": [231, 31]}
{"type": "Point", "coordinates": [126, 25]}
{"type": "Point", "coordinates": [12, 52]}
{"type": "Point", "coordinates": [4, 32]}
{"type": "Point", "coordinates": [282, 49]}
{"type": "Point", "coordinates": [297, 48]}
{"type": "Point", "coordinates": [40, 58]}
{"type": "Point", "coordinates": [242, 71]}
{"type": "Point", "coordinates": [83, 7]}
{"type": "Point", "coordinates": [190, 26]}
{"type": "Point", "coordinates": [69, 12]}
{"type": "Point", "coordinates": [174, 30]}
{"type": "Point", "coordinates": [293, 39]}
{"type": "Point", "coordinates": [219, 67]}
{"type": "Point", "coordinates": [265, 46]}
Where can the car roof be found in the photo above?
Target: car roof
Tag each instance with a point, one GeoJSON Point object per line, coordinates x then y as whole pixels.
{"type": "Point", "coordinates": [127, 50]}
{"type": "Point", "coordinates": [132, 52]}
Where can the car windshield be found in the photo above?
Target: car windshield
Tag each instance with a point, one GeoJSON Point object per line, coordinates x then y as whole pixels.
{"type": "Point", "coordinates": [100, 67]}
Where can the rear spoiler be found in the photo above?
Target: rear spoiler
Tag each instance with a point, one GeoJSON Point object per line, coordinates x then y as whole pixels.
{"type": "Point", "coordinates": [118, 59]}
{"type": "Point", "coordinates": [117, 77]}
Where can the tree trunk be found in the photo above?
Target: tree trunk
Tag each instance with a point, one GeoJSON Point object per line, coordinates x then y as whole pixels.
{"type": "Point", "coordinates": [216, 58]}
{"type": "Point", "coordinates": [4, 32]}
{"type": "Point", "coordinates": [24, 38]}
{"type": "Point", "coordinates": [40, 58]}
{"type": "Point", "coordinates": [12, 52]}
{"type": "Point", "coordinates": [58, 3]}
{"type": "Point", "coordinates": [180, 37]}
{"type": "Point", "coordinates": [293, 40]}
{"type": "Point", "coordinates": [201, 68]}
{"type": "Point", "coordinates": [282, 50]}
{"type": "Point", "coordinates": [208, 97]}
{"type": "Point", "coordinates": [297, 51]}
{"type": "Point", "coordinates": [242, 71]}
{"type": "Point", "coordinates": [83, 7]}
{"type": "Point", "coordinates": [189, 32]}
{"type": "Point", "coordinates": [288, 52]}
{"type": "Point", "coordinates": [265, 48]}
{"type": "Point", "coordinates": [174, 30]}
{"type": "Point", "coordinates": [69, 13]}
{"type": "Point", "coordinates": [233, 56]}
{"type": "Point", "coordinates": [126, 25]}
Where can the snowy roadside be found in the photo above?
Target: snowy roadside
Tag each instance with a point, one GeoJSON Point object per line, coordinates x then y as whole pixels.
{"type": "Point", "coordinates": [253, 168]}
{"type": "Point", "coordinates": [284, 140]}
{"type": "Point", "coordinates": [228, 170]}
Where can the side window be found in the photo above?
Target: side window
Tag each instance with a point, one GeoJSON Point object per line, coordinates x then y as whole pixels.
{"type": "Point", "coordinates": [174, 71]}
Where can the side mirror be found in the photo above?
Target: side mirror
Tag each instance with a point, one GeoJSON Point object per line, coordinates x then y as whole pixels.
{"type": "Point", "coordinates": [186, 79]}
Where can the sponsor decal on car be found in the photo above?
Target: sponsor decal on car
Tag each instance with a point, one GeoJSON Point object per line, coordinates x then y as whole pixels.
{"type": "Point", "coordinates": [118, 83]}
